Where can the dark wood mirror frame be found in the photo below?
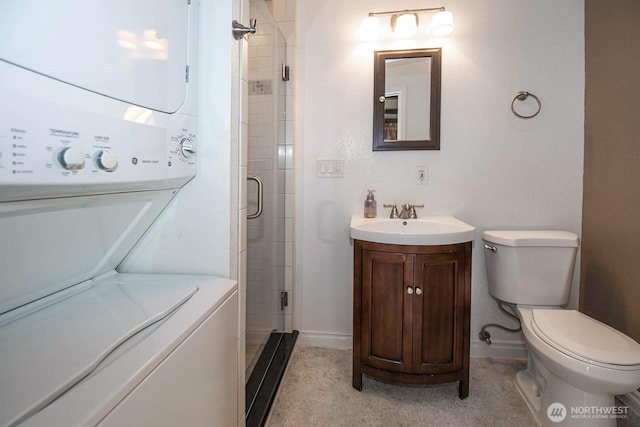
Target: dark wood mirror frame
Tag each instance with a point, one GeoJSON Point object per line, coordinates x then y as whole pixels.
{"type": "Point", "coordinates": [379, 71]}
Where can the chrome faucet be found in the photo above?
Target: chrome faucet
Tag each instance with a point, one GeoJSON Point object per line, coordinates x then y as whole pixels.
{"type": "Point", "coordinates": [409, 211]}
{"type": "Point", "coordinates": [406, 211]}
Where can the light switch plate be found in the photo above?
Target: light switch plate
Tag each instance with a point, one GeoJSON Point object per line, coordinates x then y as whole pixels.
{"type": "Point", "coordinates": [330, 168]}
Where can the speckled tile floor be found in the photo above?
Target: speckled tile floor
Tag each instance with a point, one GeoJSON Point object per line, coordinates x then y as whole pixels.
{"type": "Point", "coordinates": [316, 391]}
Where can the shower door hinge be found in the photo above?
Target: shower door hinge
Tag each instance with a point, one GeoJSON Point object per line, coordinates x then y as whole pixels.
{"type": "Point", "coordinates": [285, 72]}
{"type": "Point", "coordinates": [188, 2]}
{"type": "Point", "coordinates": [187, 74]}
{"type": "Point", "coordinates": [284, 300]}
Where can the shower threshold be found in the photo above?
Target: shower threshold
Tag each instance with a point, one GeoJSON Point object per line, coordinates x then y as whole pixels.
{"type": "Point", "coordinates": [265, 379]}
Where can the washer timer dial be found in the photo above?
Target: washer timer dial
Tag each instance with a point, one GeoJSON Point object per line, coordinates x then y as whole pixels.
{"type": "Point", "coordinates": [186, 148]}
{"type": "Point", "coordinates": [106, 160]}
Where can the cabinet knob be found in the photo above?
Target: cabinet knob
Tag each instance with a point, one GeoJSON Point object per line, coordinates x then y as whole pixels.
{"type": "Point", "coordinates": [418, 291]}
{"type": "Point", "coordinates": [409, 290]}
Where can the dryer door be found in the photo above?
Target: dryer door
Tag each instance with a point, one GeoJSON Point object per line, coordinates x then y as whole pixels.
{"type": "Point", "coordinates": [133, 51]}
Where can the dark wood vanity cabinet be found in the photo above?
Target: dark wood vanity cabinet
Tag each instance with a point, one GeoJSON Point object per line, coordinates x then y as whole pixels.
{"type": "Point", "coordinates": [411, 313]}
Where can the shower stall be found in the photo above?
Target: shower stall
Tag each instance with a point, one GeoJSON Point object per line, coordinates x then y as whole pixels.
{"type": "Point", "coordinates": [269, 211]}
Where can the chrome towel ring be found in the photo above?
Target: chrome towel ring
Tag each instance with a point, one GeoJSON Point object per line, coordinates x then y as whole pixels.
{"type": "Point", "coordinates": [521, 96]}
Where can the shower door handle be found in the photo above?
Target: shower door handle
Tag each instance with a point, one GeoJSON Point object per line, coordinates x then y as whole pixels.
{"type": "Point", "coordinates": [258, 212]}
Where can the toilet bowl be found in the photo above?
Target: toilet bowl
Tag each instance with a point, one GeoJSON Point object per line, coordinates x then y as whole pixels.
{"type": "Point", "coordinates": [576, 365]}
{"type": "Point", "coordinates": [583, 381]}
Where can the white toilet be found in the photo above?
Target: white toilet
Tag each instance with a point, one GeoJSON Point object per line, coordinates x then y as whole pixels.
{"type": "Point", "coordinates": [576, 365]}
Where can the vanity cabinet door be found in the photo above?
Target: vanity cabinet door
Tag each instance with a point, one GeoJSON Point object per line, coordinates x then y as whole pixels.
{"type": "Point", "coordinates": [386, 310]}
{"type": "Point", "coordinates": [438, 314]}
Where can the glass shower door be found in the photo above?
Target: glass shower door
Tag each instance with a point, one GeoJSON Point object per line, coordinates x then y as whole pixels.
{"type": "Point", "coordinates": [266, 163]}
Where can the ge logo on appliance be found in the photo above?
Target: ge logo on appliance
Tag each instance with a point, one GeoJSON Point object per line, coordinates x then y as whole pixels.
{"type": "Point", "coordinates": [556, 412]}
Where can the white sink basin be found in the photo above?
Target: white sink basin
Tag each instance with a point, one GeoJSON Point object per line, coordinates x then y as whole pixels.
{"type": "Point", "coordinates": [431, 230]}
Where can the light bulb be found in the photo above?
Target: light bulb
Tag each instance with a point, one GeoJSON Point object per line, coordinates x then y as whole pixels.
{"type": "Point", "coordinates": [406, 25]}
{"type": "Point", "coordinates": [370, 28]}
{"type": "Point", "coordinates": [442, 23]}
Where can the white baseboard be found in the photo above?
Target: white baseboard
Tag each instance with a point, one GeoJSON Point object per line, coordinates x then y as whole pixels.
{"type": "Point", "coordinates": [497, 350]}
{"type": "Point", "coordinates": [324, 339]}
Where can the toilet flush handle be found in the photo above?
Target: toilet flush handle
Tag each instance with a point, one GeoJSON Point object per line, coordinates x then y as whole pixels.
{"type": "Point", "coordinates": [490, 248]}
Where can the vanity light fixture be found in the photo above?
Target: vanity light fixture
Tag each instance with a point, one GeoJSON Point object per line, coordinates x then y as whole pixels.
{"type": "Point", "coordinates": [404, 23]}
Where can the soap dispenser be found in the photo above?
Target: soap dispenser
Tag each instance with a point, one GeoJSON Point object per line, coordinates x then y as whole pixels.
{"type": "Point", "coordinates": [370, 205]}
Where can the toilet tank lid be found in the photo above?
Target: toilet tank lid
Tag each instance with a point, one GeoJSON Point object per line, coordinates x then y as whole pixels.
{"type": "Point", "coordinates": [518, 238]}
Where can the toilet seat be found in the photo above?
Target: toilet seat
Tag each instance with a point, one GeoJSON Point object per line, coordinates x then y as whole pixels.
{"type": "Point", "coordinates": [586, 339]}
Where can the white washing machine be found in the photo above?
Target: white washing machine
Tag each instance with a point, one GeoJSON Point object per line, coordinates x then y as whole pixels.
{"type": "Point", "coordinates": [97, 136]}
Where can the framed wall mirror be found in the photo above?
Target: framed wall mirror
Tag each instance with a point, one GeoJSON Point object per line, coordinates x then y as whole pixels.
{"type": "Point", "coordinates": [406, 99]}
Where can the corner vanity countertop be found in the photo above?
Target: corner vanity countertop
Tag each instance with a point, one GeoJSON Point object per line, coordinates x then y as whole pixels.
{"type": "Point", "coordinates": [429, 230]}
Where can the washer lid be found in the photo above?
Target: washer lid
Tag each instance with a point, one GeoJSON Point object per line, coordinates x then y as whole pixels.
{"type": "Point", "coordinates": [48, 351]}
{"type": "Point", "coordinates": [519, 238]}
{"type": "Point", "coordinates": [579, 335]}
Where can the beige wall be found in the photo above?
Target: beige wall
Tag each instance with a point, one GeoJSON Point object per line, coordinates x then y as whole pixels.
{"type": "Point", "coordinates": [610, 263]}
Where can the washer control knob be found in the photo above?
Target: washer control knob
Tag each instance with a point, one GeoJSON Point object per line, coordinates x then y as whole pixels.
{"type": "Point", "coordinates": [71, 158]}
{"type": "Point", "coordinates": [186, 148]}
{"type": "Point", "coordinates": [106, 160]}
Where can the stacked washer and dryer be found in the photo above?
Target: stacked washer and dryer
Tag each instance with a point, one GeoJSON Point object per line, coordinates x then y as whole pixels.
{"type": "Point", "coordinates": [97, 136]}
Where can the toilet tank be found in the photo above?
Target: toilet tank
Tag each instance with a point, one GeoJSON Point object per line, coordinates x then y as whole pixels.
{"type": "Point", "coordinates": [530, 267]}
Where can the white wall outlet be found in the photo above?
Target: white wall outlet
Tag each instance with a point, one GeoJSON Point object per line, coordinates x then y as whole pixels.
{"type": "Point", "coordinates": [422, 175]}
{"type": "Point", "coordinates": [330, 168]}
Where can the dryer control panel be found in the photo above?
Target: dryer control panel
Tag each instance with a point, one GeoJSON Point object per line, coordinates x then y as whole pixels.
{"type": "Point", "coordinates": [79, 143]}
{"type": "Point", "coordinates": [32, 153]}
